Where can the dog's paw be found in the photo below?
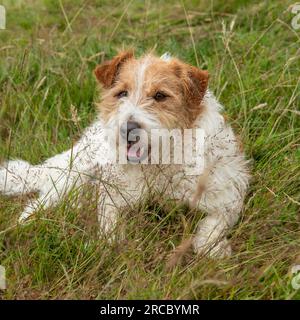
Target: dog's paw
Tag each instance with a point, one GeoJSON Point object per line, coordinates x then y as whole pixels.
{"type": "Point", "coordinates": [221, 250]}
{"type": "Point", "coordinates": [28, 212]}
{"type": "Point", "coordinates": [217, 250]}
{"type": "Point", "coordinates": [23, 217]}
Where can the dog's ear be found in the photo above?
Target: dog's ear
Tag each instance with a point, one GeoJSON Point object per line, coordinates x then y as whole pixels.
{"type": "Point", "coordinates": [195, 84]}
{"type": "Point", "coordinates": [194, 81]}
{"type": "Point", "coordinates": [198, 83]}
{"type": "Point", "coordinates": [107, 72]}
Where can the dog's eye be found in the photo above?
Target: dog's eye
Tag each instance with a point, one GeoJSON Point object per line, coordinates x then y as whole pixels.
{"type": "Point", "coordinates": [159, 96]}
{"type": "Point", "coordinates": [122, 94]}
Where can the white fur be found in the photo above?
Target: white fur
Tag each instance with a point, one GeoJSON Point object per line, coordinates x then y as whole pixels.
{"type": "Point", "coordinates": [226, 178]}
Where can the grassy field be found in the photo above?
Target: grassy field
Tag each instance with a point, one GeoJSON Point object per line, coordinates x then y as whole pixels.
{"type": "Point", "coordinates": [47, 93]}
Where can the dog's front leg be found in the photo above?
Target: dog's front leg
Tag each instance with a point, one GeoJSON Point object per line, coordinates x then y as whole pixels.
{"type": "Point", "coordinates": [112, 201]}
{"type": "Point", "coordinates": [110, 205]}
{"type": "Point", "coordinates": [55, 183]}
{"type": "Point", "coordinates": [58, 175]}
{"type": "Point", "coordinates": [33, 206]}
{"type": "Point", "coordinates": [108, 214]}
{"type": "Point", "coordinates": [211, 238]}
{"type": "Point", "coordinates": [221, 194]}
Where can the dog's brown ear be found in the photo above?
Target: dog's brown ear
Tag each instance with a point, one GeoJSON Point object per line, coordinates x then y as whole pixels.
{"type": "Point", "coordinates": [107, 72]}
{"type": "Point", "coordinates": [196, 84]}
{"type": "Point", "coordinates": [194, 81]}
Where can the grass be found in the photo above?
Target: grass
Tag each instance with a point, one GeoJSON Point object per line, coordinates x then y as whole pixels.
{"type": "Point", "coordinates": [47, 90]}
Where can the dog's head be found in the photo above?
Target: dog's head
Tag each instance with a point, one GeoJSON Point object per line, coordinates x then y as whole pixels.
{"type": "Point", "coordinates": [149, 93]}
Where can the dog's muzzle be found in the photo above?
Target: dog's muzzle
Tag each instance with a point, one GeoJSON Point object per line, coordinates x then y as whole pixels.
{"type": "Point", "coordinates": [127, 127]}
{"type": "Point", "coordinates": [131, 132]}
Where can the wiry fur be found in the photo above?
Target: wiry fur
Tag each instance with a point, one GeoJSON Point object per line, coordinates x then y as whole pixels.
{"type": "Point", "coordinates": [219, 190]}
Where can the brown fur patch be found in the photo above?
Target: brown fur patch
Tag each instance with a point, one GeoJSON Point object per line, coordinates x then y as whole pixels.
{"type": "Point", "coordinates": [201, 185]}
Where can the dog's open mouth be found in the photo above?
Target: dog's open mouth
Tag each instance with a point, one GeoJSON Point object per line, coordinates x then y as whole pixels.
{"type": "Point", "coordinates": [137, 152]}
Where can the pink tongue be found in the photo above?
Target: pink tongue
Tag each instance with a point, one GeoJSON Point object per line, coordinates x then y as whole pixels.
{"type": "Point", "coordinates": [132, 153]}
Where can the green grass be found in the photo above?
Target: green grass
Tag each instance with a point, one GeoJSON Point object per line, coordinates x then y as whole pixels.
{"type": "Point", "coordinates": [47, 55]}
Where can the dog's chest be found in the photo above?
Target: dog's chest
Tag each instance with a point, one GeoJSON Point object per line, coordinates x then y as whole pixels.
{"type": "Point", "coordinates": [154, 177]}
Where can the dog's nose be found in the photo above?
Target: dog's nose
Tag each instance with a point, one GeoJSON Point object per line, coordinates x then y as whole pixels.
{"type": "Point", "coordinates": [127, 127]}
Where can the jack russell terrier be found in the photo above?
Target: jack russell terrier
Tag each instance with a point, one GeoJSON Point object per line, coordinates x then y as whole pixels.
{"type": "Point", "coordinates": [147, 93]}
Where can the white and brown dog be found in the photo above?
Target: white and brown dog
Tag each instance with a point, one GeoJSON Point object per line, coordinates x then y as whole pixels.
{"type": "Point", "coordinates": [146, 93]}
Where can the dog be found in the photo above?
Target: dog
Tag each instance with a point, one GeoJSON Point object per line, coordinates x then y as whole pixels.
{"type": "Point", "coordinates": [146, 93]}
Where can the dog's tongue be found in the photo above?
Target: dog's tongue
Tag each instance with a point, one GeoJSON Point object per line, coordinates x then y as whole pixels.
{"type": "Point", "coordinates": [133, 153]}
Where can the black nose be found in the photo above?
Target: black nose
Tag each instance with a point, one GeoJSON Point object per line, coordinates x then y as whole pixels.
{"type": "Point", "coordinates": [127, 127]}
